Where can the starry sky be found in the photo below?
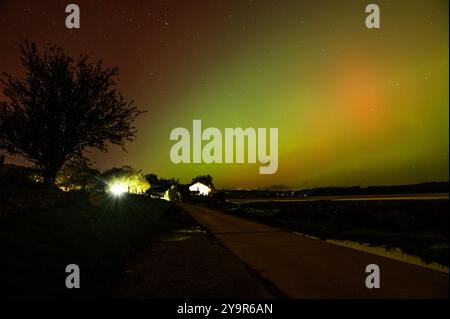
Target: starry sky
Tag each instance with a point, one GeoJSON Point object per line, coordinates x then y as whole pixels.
{"type": "Point", "coordinates": [354, 106]}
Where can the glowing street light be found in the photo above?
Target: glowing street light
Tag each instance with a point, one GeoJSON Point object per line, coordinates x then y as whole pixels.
{"type": "Point", "coordinates": [118, 189]}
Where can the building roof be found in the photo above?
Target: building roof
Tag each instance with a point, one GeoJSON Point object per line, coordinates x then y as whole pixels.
{"type": "Point", "coordinates": [200, 187]}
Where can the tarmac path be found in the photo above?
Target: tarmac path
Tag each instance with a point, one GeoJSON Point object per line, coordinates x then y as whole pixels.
{"type": "Point", "coordinates": [303, 267]}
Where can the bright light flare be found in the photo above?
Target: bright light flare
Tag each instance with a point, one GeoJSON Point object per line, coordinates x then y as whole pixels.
{"type": "Point", "coordinates": [118, 189]}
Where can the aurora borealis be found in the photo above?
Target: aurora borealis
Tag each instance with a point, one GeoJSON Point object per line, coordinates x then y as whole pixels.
{"type": "Point", "coordinates": [353, 106]}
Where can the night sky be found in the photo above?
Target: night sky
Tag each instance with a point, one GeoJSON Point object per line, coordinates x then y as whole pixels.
{"type": "Point", "coordinates": [353, 106]}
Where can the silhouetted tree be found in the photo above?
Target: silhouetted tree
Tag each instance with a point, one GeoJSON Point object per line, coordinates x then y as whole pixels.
{"type": "Point", "coordinates": [204, 179]}
{"type": "Point", "coordinates": [161, 182]}
{"type": "Point", "coordinates": [152, 179]}
{"type": "Point", "coordinates": [14, 178]}
{"type": "Point", "coordinates": [77, 174]}
{"type": "Point", "coordinates": [61, 107]}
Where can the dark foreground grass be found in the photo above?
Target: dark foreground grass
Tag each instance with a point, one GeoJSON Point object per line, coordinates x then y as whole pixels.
{"type": "Point", "coordinates": [98, 233]}
{"type": "Point", "coordinates": [417, 227]}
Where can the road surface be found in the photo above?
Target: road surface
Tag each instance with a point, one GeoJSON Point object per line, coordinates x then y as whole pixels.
{"type": "Point", "coordinates": [303, 267]}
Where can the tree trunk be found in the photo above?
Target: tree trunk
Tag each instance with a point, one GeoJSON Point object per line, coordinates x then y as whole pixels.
{"type": "Point", "coordinates": [83, 185]}
{"type": "Point", "coordinates": [49, 178]}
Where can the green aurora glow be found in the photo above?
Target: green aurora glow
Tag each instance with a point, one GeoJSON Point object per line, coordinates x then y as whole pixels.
{"type": "Point", "coordinates": [353, 106]}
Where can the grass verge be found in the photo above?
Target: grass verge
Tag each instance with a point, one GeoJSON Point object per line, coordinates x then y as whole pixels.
{"type": "Point", "coordinates": [96, 232]}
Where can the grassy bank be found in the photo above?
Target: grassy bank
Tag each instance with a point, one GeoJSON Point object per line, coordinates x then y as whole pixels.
{"type": "Point", "coordinates": [417, 227]}
{"type": "Point", "coordinates": [97, 232]}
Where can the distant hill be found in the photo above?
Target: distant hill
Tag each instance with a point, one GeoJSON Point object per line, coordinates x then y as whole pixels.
{"type": "Point", "coordinates": [278, 187]}
{"type": "Point", "coordinates": [283, 191]}
{"type": "Point", "coordinates": [433, 187]}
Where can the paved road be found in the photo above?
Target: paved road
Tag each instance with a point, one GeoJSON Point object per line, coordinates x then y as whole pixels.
{"type": "Point", "coordinates": [303, 267]}
{"type": "Point", "coordinates": [174, 266]}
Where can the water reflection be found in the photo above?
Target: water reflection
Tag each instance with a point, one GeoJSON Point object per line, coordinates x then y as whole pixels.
{"type": "Point", "coordinates": [393, 253]}
{"type": "Point", "coordinates": [183, 233]}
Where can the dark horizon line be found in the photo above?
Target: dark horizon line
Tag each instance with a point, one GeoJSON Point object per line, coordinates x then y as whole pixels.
{"type": "Point", "coordinates": [287, 189]}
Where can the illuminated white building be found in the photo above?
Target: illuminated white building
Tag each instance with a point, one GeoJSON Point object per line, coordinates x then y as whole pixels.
{"type": "Point", "coordinates": [202, 189]}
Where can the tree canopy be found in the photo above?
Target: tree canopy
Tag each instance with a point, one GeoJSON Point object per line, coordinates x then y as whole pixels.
{"type": "Point", "coordinates": [77, 174]}
{"type": "Point", "coordinates": [204, 179]}
{"type": "Point", "coordinates": [62, 106]}
{"type": "Point", "coordinates": [132, 179]}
